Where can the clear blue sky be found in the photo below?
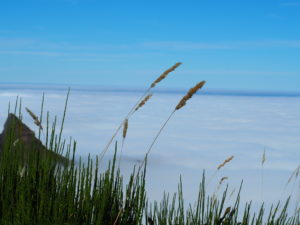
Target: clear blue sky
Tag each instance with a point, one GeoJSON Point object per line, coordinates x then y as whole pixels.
{"type": "Point", "coordinates": [239, 45]}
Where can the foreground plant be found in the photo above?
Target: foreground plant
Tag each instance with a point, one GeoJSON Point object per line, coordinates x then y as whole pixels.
{"type": "Point", "coordinates": [181, 104]}
{"type": "Point", "coordinates": [142, 100]}
{"type": "Point", "coordinates": [41, 190]}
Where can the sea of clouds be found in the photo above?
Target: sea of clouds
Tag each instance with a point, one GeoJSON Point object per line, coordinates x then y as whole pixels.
{"type": "Point", "coordinates": [199, 137]}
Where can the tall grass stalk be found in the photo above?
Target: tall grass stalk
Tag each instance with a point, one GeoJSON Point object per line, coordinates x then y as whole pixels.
{"type": "Point", "coordinates": [42, 191]}
{"type": "Point", "coordinates": [41, 117]}
{"type": "Point", "coordinates": [125, 128]}
{"type": "Point", "coordinates": [263, 160]}
{"type": "Point", "coordinates": [36, 189]}
{"type": "Point", "coordinates": [220, 166]}
{"type": "Point", "coordinates": [181, 104]}
{"type": "Point", "coordinates": [139, 101]}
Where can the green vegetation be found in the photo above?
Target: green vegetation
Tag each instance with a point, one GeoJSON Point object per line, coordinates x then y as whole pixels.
{"type": "Point", "coordinates": [38, 186]}
{"type": "Point", "coordinates": [42, 191]}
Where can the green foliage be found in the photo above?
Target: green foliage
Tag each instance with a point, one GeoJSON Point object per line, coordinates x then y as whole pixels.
{"type": "Point", "coordinates": [211, 211]}
{"type": "Point", "coordinates": [42, 190]}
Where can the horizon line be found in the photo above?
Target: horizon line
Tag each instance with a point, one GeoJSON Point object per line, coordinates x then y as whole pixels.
{"type": "Point", "coordinates": [165, 90]}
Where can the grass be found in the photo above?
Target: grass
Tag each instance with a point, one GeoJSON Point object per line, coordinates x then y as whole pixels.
{"type": "Point", "coordinates": [41, 191]}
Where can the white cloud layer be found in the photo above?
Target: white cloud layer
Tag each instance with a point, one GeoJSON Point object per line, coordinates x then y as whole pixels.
{"type": "Point", "coordinates": [198, 137]}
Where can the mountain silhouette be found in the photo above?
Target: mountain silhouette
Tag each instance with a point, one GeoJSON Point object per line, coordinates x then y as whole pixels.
{"type": "Point", "coordinates": [17, 135]}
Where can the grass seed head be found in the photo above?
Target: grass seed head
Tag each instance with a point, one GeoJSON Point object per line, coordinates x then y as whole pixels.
{"type": "Point", "coordinates": [294, 175]}
{"type": "Point", "coordinates": [35, 118]}
{"type": "Point", "coordinates": [143, 102]}
{"type": "Point", "coordinates": [228, 209]}
{"type": "Point", "coordinates": [189, 94]}
{"type": "Point", "coordinates": [263, 158]}
{"type": "Point", "coordinates": [15, 142]}
{"type": "Point", "coordinates": [232, 192]}
{"type": "Point", "coordinates": [125, 128]}
{"type": "Point", "coordinates": [222, 180]}
{"type": "Point", "coordinates": [225, 162]}
{"type": "Point", "coordinates": [165, 74]}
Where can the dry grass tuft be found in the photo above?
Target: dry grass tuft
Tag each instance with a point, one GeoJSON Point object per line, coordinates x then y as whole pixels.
{"type": "Point", "coordinates": [190, 94]}
{"type": "Point", "coordinates": [294, 175]}
{"type": "Point", "coordinates": [119, 214]}
{"type": "Point", "coordinates": [165, 74]}
{"type": "Point", "coordinates": [16, 142]}
{"type": "Point", "coordinates": [143, 102]}
{"type": "Point", "coordinates": [125, 128]}
{"type": "Point", "coordinates": [225, 162]}
{"type": "Point", "coordinates": [35, 118]}
{"type": "Point", "coordinates": [232, 193]}
{"type": "Point", "coordinates": [263, 158]}
{"type": "Point", "coordinates": [222, 180]}
{"type": "Point", "coordinates": [228, 209]}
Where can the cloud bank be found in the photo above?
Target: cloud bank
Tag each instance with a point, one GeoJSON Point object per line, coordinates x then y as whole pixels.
{"type": "Point", "coordinates": [197, 138]}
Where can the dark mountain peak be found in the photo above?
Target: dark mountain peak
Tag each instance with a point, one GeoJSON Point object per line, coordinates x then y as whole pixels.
{"type": "Point", "coordinates": [20, 130]}
{"type": "Point", "coordinates": [20, 133]}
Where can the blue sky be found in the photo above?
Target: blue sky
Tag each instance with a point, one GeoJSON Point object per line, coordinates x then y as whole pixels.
{"type": "Point", "coordinates": [234, 45]}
